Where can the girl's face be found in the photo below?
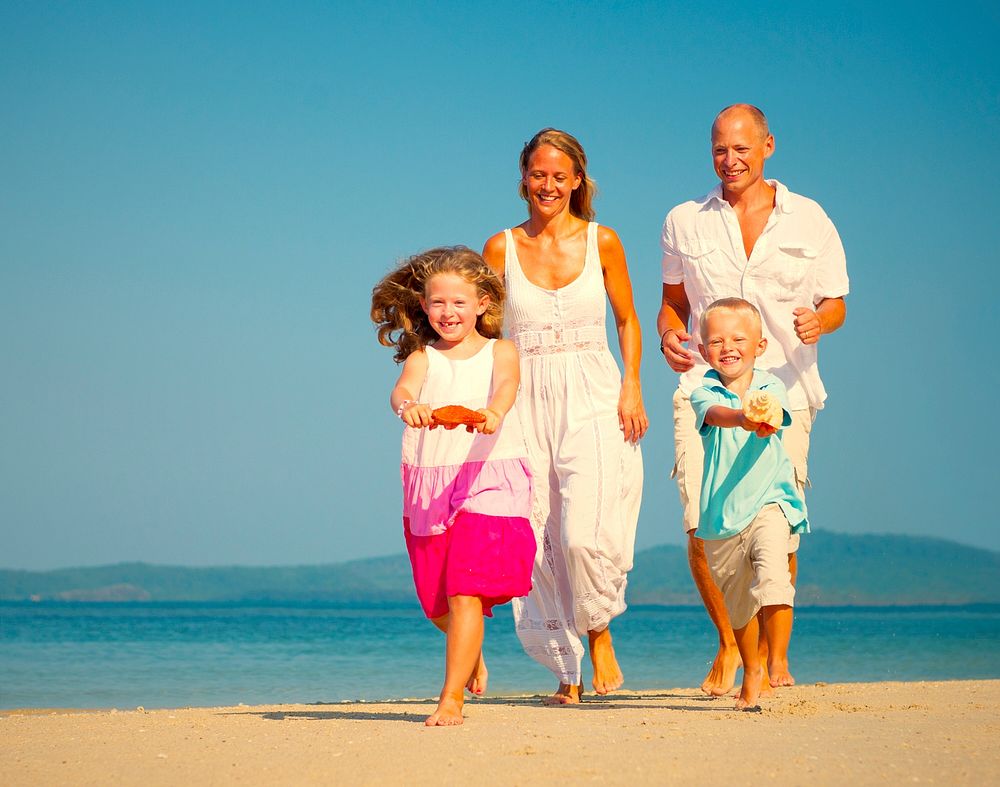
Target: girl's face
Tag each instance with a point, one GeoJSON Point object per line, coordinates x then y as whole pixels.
{"type": "Point", "coordinates": [452, 305]}
{"type": "Point", "coordinates": [550, 180]}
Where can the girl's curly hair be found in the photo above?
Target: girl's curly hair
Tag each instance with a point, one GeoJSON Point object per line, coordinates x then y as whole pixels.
{"type": "Point", "coordinates": [396, 311]}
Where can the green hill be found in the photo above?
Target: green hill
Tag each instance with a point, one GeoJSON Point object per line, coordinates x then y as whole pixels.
{"type": "Point", "coordinates": [834, 569]}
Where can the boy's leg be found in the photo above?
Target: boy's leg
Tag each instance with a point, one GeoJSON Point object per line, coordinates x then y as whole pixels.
{"type": "Point", "coordinates": [753, 670]}
{"type": "Point", "coordinates": [773, 590]}
{"type": "Point", "coordinates": [688, 458]}
{"type": "Point", "coordinates": [778, 632]}
{"type": "Point", "coordinates": [464, 645]}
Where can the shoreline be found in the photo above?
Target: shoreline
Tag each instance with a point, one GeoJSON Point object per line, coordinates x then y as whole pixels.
{"type": "Point", "coordinates": [859, 733]}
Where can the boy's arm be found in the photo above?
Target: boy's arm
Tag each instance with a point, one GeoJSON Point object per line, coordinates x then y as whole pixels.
{"type": "Point", "coordinates": [506, 379]}
{"type": "Point", "coordinates": [730, 418]}
{"type": "Point", "coordinates": [403, 397]}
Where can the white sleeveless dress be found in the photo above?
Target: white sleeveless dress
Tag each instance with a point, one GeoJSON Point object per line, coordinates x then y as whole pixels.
{"type": "Point", "coordinates": [588, 479]}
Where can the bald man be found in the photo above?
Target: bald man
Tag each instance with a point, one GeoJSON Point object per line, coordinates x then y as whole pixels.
{"type": "Point", "coordinates": [750, 238]}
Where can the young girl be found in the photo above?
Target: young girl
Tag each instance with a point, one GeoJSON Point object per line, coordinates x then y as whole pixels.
{"type": "Point", "coordinates": [466, 494]}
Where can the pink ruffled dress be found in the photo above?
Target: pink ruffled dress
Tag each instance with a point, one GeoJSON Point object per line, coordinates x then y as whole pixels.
{"type": "Point", "coordinates": [466, 496]}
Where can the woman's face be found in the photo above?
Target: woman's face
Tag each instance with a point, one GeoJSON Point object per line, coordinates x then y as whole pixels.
{"type": "Point", "coordinates": [550, 180]}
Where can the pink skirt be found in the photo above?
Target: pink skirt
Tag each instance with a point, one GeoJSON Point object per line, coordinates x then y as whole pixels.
{"type": "Point", "coordinates": [490, 557]}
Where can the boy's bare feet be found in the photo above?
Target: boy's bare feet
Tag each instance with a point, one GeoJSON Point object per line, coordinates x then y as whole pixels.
{"type": "Point", "coordinates": [722, 676]}
{"type": "Point", "coordinates": [607, 674]}
{"type": "Point", "coordinates": [566, 694]}
{"type": "Point", "coordinates": [448, 713]}
{"type": "Point", "coordinates": [750, 692]}
{"type": "Point", "coordinates": [480, 675]}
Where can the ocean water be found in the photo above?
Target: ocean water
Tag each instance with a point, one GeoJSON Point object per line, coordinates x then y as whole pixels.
{"type": "Point", "coordinates": [179, 655]}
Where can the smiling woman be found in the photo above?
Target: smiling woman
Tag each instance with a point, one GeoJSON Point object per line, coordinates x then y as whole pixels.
{"type": "Point", "coordinates": [582, 418]}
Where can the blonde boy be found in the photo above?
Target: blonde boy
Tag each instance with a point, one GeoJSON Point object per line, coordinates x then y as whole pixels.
{"type": "Point", "coordinates": [749, 499]}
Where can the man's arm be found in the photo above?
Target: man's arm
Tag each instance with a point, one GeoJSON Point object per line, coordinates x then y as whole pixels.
{"type": "Point", "coordinates": [671, 324]}
{"type": "Point", "coordinates": [828, 316]}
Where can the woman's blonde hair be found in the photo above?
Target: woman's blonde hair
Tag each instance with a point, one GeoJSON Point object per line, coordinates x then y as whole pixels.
{"type": "Point", "coordinates": [580, 202]}
{"type": "Point", "coordinates": [396, 311]}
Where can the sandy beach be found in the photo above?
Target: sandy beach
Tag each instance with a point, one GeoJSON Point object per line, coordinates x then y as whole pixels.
{"type": "Point", "coordinates": [932, 733]}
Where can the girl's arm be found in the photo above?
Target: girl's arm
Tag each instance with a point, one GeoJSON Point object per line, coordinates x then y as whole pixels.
{"type": "Point", "coordinates": [631, 412]}
{"type": "Point", "coordinates": [506, 379]}
{"type": "Point", "coordinates": [407, 388]}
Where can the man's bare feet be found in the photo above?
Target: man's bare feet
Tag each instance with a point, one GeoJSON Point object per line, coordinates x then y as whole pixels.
{"type": "Point", "coordinates": [750, 692]}
{"type": "Point", "coordinates": [566, 694]}
{"type": "Point", "coordinates": [448, 713]}
{"type": "Point", "coordinates": [480, 675]}
{"type": "Point", "coordinates": [722, 676]}
{"type": "Point", "coordinates": [779, 674]}
{"type": "Point", "coordinates": [607, 674]}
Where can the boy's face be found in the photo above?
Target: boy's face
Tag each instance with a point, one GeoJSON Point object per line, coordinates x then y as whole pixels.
{"type": "Point", "coordinates": [732, 342]}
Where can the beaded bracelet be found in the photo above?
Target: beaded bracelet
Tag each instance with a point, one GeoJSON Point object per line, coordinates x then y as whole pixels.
{"type": "Point", "coordinates": [402, 406]}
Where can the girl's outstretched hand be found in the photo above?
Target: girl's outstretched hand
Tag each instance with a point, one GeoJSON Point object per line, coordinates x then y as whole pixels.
{"type": "Point", "coordinates": [492, 422]}
{"type": "Point", "coordinates": [416, 415]}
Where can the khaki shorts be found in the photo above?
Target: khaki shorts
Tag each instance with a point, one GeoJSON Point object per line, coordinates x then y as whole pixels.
{"type": "Point", "coordinates": [751, 568]}
{"type": "Point", "coordinates": [689, 457]}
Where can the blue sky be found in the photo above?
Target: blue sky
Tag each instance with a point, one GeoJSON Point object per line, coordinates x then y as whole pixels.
{"type": "Point", "coordinates": [198, 197]}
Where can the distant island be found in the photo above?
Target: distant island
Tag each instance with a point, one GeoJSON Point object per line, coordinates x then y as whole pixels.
{"type": "Point", "coordinates": [836, 570]}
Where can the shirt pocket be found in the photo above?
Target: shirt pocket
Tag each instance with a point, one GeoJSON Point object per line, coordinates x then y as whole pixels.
{"type": "Point", "coordinates": [704, 268]}
{"type": "Point", "coordinates": [792, 273]}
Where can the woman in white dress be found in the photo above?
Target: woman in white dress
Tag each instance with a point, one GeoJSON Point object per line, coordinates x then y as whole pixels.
{"type": "Point", "coordinates": [582, 417]}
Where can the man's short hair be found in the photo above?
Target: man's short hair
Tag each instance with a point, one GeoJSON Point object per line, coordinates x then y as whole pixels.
{"type": "Point", "coordinates": [759, 120]}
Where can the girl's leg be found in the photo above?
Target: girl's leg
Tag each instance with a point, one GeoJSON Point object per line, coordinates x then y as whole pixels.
{"type": "Point", "coordinates": [463, 649]}
{"type": "Point", "coordinates": [480, 675]}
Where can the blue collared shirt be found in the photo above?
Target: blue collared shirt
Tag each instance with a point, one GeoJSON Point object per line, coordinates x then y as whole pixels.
{"type": "Point", "coordinates": [743, 472]}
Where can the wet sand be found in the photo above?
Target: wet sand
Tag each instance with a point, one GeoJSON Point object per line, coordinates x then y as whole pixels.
{"type": "Point", "coordinates": [838, 734]}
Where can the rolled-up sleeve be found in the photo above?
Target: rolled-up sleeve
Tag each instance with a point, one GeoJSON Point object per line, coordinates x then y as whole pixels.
{"type": "Point", "coordinates": [673, 265]}
{"type": "Point", "coordinates": [831, 266]}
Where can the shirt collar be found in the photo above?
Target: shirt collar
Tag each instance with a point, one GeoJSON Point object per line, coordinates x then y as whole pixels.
{"type": "Point", "coordinates": [760, 378]}
{"type": "Point", "coordinates": [781, 195]}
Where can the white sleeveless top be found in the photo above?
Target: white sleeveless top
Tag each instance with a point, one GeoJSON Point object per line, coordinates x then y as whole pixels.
{"type": "Point", "coordinates": [547, 322]}
{"type": "Point", "coordinates": [450, 470]}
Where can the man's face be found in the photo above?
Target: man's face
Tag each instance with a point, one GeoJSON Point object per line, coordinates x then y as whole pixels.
{"type": "Point", "coordinates": [739, 151]}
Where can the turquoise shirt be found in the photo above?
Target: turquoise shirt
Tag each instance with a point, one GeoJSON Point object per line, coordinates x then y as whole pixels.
{"type": "Point", "coordinates": [743, 472]}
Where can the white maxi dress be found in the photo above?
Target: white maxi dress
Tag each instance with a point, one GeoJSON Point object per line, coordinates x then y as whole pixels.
{"type": "Point", "coordinates": [587, 478]}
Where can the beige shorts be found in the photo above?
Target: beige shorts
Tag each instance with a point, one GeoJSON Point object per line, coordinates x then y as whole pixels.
{"type": "Point", "coordinates": [751, 568]}
{"type": "Point", "coordinates": [689, 457]}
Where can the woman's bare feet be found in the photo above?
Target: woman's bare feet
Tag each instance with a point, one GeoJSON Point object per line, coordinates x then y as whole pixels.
{"type": "Point", "coordinates": [480, 675]}
{"type": "Point", "coordinates": [722, 676]}
{"type": "Point", "coordinates": [607, 674]}
{"type": "Point", "coordinates": [448, 713]}
{"type": "Point", "coordinates": [750, 692]}
{"type": "Point", "coordinates": [566, 694]}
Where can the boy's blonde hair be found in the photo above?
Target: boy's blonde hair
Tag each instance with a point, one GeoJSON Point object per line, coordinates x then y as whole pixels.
{"type": "Point", "coordinates": [396, 311]}
{"type": "Point", "coordinates": [734, 305]}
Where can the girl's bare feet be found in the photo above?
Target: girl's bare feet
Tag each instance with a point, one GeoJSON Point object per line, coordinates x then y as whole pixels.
{"type": "Point", "coordinates": [480, 676]}
{"type": "Point", "coordinates": [448, 713]}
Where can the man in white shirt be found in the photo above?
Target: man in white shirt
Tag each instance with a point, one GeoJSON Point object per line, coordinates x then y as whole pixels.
{"type": "Point", "coordinates": [750, 238]}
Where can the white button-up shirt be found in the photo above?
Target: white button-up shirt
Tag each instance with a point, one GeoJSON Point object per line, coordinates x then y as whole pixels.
{"type": "Point", "coordinates": [797, 261]}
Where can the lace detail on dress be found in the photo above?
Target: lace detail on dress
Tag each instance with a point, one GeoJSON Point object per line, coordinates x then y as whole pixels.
{"type": "Point", "coordinates": [584, 334]}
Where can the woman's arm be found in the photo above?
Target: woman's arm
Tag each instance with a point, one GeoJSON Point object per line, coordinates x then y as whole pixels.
{"type": "Point", "coordinates": [407, 389]}
{"type": "Point", "coordinates": [631, 411]}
